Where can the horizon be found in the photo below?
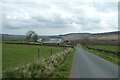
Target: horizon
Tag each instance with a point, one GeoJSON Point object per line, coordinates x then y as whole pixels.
{"type": "Point", "coordinates": [63, 34]}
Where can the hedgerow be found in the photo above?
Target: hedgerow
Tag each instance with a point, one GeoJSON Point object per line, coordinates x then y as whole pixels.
{"type": "Point", "coordinates": [41, 68]}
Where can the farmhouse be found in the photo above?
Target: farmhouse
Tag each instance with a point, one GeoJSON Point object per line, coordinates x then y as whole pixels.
{"type": "Point", "coordinates": [51, 40]}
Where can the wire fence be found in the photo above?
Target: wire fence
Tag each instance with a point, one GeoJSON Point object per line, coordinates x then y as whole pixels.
{"type": "Point", "coordinates": [104, 50]}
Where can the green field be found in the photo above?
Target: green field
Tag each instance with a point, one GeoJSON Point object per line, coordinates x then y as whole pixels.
{"type": "Point", "coordinates": [13, 39]}
{"type": "Point", "coordinates": [106, 47]}
{"type": "Point", "coordinates": [110, 57]}
{"type": "Point", "coordinates": [0, 60]}
{"type": "Point", "coordinates": [16, 54]}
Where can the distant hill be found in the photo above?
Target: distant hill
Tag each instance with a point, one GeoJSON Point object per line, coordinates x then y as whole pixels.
{"type": "Point", "coordinates": [11, 35]}
{"type": "Point", "coordinates": [107, 33]}
{"type": "Point", "coordinates": [76, 36]}
{"type": "Point", "coordinates": [97, 36]}
{"type": "Point", "coordinates": [110, 38]}
{"type": "Point", "coordinates": [23, 36]}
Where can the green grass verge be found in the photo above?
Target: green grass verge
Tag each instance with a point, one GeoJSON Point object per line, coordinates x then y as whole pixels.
{"type": "Point", "coordinates": [107, 47]}
{"type": "Point", "coordinates": [112, 58]}
{"type": "Point", "coordinates": [64, 68]}
{"type": "Point", "coordinates": [16, 54]}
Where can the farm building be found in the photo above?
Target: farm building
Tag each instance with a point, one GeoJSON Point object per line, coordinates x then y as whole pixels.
{"type": "Point", "coordinates": [51, 40]}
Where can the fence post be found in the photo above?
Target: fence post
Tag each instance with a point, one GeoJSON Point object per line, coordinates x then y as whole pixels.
{"type": "Point", "coordinates": [38, 53]}
{"type": "Point", "coordinates": [63, 48]}
{"type": "Point", "coordinates": [51, 51]}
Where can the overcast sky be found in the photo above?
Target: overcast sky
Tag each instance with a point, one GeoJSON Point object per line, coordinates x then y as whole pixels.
{"type": "Point", "coordinates": [53, 18]}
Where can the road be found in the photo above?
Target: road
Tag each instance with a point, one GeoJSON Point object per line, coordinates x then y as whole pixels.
{"type": "Point", "coordinates": [87, 65]}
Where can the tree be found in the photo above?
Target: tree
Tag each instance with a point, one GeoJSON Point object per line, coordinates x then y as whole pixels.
{"type": "Point", "coordinates": [85, 40]}
{"type": "Point", "coordinates": [31, 36]}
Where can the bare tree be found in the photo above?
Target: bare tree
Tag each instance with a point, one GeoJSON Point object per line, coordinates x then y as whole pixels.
{"type": "Point", "coordinates": [85, 40]}
{"type": "Point", "coordinates": [31, 36]}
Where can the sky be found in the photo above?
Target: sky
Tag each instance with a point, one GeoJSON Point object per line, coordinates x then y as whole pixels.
{"type": "Point", "coordinates": [58, 17]}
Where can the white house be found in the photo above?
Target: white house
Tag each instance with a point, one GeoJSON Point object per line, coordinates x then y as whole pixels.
{"type": "Point", "coordinates": [50, 40]}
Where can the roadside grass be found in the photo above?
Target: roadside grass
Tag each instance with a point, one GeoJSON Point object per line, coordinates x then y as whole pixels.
{"type": "Point", "coordinates": [107, 47]}
{"type": "Point", "coordinates": [16, 54]}
{"type": "Point", "coordinates": [43, 68]}
{"type": "Point", "coordinates": [64, 68]}
{"type": "Point", "coordinates": [108, 56]}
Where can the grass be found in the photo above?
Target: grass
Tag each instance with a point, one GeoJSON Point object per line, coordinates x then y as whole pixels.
{"type": "Point", "coordinates": [16, 54]}
{"type": "Point", "coordinates": [112, 58]}
{"type": "Point", "coordinates": [0, 58]}
{"type": "Point", "coordinates": [43, 68]}
{"type": "Point", "coordinates": [63, 70]}
{"type": "Point", "coordinates": [107, 47]}
{"type": "Point", "coordinates": [13, 38]}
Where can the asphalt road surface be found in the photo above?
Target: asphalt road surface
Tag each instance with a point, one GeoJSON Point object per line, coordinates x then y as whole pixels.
{"type": "Point", "coordinates": [87, 65]}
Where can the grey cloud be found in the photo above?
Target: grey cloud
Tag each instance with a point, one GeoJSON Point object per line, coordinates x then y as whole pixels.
{"type": "Point", "coordinates": [86, 22]}
{"type": "Point", "coordinates": [8, 26]}
{"type": "Point", "coordinates": [106, 6]}
{"type": "Point", "coordinates": [54, 21]}
{"type": "Point", "coordinates": [44, 18]}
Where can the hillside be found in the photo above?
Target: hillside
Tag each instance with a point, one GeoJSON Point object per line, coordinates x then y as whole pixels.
{"type": "Point", "coordinates": [76, 36]}
{"type": "Point", "coordinates": [97, 36]}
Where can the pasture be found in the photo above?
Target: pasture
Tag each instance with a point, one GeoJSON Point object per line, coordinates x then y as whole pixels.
{"type": "Point", "coordinates": [110, 57]}
{"type": "Point", "coordinates": [13, 38]}
{"type": "Point", "coordinates": [106, 47]}
{"type": "Point", "coordinates": [17, 54]}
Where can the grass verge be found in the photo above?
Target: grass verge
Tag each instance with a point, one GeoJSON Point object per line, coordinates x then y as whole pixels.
{"type": "Point", "coordinates": [110, 57]}
{"type": "Point", "coordinates": [64, 68]}
{"type": "Point", "coordinates": [106, 47]}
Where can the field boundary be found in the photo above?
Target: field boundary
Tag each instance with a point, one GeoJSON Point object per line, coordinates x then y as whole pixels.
{"type": "Point", "coordinates": [44, 44]}
{"type": "Point", "coordinates": [105, 55]}
{"type": "Point", "coordinates": [104, 50]}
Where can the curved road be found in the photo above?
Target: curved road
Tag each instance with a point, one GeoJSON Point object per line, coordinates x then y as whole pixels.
{"type": "Point", "coordinates": [87, 65]}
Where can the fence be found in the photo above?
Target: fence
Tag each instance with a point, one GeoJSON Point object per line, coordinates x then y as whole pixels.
{"type": "Point", "coordinates": [103, 50]}
{"type": "Point", "coordinates": [51, 51]}
{"type": "Point", "coordinates": [44, 44]}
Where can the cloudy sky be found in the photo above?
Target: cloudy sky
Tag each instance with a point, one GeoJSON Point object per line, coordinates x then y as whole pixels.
{"type": "Point", "coordinates": [59, 17]}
